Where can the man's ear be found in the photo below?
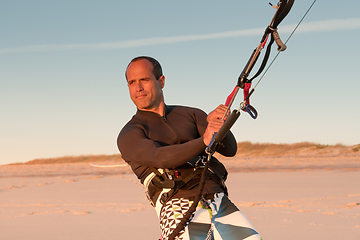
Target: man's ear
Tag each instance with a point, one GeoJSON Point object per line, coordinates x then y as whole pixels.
{"type": "Point", "coordinates": [162, 81]}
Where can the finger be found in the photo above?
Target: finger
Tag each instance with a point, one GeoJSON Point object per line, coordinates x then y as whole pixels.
{"type": "Point", "coordinates": [215, 125]}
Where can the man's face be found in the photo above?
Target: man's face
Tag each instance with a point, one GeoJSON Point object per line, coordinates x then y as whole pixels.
{"type": "Point", "coordinates": [145, 91]}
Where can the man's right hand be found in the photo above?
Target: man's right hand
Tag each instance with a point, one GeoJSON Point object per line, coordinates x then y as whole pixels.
{"type": "Point", "coordinates": [215, 122]}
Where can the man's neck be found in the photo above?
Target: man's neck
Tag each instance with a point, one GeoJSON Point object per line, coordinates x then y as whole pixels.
{"type": "Point", "coordinates": [159, 109]}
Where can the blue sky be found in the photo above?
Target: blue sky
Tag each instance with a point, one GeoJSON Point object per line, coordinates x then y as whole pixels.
{"type": "Point", "coordinates": [62, 63]}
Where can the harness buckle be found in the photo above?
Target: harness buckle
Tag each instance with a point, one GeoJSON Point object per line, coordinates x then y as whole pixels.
{"type": "Point", "coordinates": [164, 197]}
{"type": "Point", "coordinates": [201, 161]}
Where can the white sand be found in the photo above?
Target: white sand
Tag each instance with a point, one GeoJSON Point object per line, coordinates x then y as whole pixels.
{"type": "Point", "coordinates": [77, 201]}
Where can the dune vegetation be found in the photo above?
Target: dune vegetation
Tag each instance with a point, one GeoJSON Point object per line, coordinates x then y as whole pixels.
{"type": "Point", "coordinates": [245, 149]}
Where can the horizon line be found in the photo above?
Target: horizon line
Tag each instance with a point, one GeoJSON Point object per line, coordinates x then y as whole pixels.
{"type": "Point", "coordinates": [316, 26]}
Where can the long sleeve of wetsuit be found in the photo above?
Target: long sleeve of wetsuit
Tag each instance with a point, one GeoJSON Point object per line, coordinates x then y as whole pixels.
{"type": "Point", "coordinates": [150, 140]}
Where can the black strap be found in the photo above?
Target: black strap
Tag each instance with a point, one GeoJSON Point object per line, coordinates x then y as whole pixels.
{"type": "Point", "coordinates": [179, 184]}
{"type": "Point", "coordinates": [285, 6]}
{"type": "Point", "coordinates": [281, 13]}
{"type": "Point", "coordinates": [193, 206]}
{"type": "Point", "coordinates": [266, 58]}
{"type": "Point", "coordinates": [160, 180]}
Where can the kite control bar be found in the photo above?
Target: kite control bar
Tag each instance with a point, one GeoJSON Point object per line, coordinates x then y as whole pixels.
{"type": "Point", "coordinates": [219, 136]}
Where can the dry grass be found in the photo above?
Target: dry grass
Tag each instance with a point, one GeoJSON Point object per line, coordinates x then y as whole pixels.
{"type": "Point", "coordinates": [295, 149]}
{"type": "Point", "coordinates": [245, 149]}
{"type": "Point", "coordinates": [77, 159]}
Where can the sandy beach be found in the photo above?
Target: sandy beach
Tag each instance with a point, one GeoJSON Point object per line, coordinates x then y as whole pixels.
{"type": "Point", "coordinates": [296, 198]}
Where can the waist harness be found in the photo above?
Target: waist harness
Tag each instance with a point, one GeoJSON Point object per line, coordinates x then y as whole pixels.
{"type": "Point", "coordinates": [184, 177]}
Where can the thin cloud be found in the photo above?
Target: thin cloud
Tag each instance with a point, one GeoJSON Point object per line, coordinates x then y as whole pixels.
{"type": "Point", "coordinates": [319, 26]}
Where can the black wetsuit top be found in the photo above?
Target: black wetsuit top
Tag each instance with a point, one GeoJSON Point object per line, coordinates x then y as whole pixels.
{"type": "Point", "coordinates": [149, 140]}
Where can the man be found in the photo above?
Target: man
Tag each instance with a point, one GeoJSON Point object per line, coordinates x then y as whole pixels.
{"type": "Point", "coordinates": [165, 147]}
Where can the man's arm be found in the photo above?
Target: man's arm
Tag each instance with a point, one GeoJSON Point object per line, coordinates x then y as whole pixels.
{"type": "Point", "coordinates": [135, 146]}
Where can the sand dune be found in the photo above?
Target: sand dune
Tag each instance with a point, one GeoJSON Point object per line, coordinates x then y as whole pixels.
{"type": "Point", "coordinates": [313, 194]}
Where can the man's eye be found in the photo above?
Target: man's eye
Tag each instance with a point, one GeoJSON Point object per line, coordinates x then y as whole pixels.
{"type": "Point", "coordinates": [130, 82]}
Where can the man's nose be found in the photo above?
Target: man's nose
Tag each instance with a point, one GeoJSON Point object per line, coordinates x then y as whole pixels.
{"type": "Point", "coordinates": [139, 86]}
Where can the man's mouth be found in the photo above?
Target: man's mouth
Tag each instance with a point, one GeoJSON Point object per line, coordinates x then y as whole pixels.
{"type": "Point", "coordinates": [141, 96]}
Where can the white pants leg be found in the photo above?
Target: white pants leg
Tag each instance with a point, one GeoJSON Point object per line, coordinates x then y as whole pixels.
{"type": "Point", "coordinates": [216, 219]}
